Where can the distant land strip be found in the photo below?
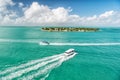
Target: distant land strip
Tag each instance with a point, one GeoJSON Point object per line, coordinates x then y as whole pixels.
{"type": "Point", "coordinates": [69, 29]}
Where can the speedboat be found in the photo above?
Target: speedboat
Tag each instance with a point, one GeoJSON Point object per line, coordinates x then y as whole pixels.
{"type": "Point", "coordinates": [69, 52]}
{"type": "Point", "coordinates": [44, 43]}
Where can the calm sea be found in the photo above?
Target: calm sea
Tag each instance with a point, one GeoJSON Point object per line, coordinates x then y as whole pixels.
{"type": "Point", "coordinates": [22, 58]}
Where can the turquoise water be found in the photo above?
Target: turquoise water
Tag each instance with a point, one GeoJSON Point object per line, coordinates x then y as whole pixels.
{"type": "Point", "coordinates": [98, 55]}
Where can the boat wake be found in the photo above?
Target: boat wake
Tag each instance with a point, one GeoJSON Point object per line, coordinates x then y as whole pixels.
{"type": "Point", "coordinates": [84, 44]}
{"type": "Point", "coordinates": [19, 41]}
{"type": "Point", "coordinates": [36, 69]}
{"type": "Point", "coordinates": [63, 44]}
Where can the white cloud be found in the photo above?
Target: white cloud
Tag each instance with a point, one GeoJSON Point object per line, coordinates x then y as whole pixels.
{"type": "Point", "coordinates": [108, 18]}
{"type": "Point", "coordinates": [6, 16]}
{"type": "Point", "coordinates": [43, 15]}
{"type": "Point", "coordinates": [4, 4]}
{"type": "Point", "coordinates": [107, 14]}
{"type": "Point", "coordinates": [37, 14]}
{"type": "Point", "coordinates": [92, 18]}
{"type": "Point", "coordinates": [20, 4]}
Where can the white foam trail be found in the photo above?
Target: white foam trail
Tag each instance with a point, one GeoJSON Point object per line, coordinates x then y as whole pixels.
{"type": "Point", "coordinates": [48, 68]}
{"type": "Point", "coordinates": [27, 64]}
{"type": "Point", "coordinates": [62, 44]}
{"type": "Point", "coordinates": [15, 40]}
{"type": "Point", "coordinates": [84, 44]}
{"type": "Point", "coordinates": [45, 76]}
{"type": "Point", "coordinates": [26, 70]}
{"type": "Point", "coordinates": [69, 57]}
{"type": "Point", "coordinates": [43, 71]}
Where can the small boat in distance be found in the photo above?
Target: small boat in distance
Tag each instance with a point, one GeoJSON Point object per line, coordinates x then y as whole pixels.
{"type": "Point", "coordinates": [44, 43]}
{"type": "Point", "coordinates": [70, 52]}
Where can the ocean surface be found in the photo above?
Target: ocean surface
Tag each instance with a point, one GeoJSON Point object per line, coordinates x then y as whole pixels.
{"type": "Point", "coordinates": [23, 58]}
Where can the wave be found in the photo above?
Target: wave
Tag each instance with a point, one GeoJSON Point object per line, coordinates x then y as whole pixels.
{"type": "Point", "coordinates": [62, 44]}
{"type": "Point", "coordinates": [18, 40]}
{"type": "Point", "coordinates": [38, 67]}
{"type": "Point", "coordinates": [11, 69]}
{"type": "Point", "coordinates": [47, 69]}
{"type": "Point", "coordinates": [84, 44]}
{"type": "Point", "coordinates": [26, 70]}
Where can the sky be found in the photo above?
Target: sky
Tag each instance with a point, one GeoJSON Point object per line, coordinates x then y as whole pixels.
{"type": "Point", "coordinates": [103, 13]}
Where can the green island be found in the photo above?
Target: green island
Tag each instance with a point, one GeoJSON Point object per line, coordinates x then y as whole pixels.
{"type": "Point", "coordinates": [69, 29]}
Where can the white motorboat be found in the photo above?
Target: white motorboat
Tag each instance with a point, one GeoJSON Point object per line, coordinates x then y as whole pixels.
{"type": "Point", "coordinates": [69, 52]}
{"type": "Point", "coordinates": [44, 43]}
